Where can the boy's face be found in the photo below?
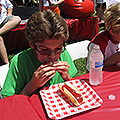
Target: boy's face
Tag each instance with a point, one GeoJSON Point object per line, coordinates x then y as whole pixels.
{"type": "Point", "coordinates": [116, 36]}
{"type": "Point", "coordinates": [115, 31]}
{"type": "Point", "coordinates": [49, 50]}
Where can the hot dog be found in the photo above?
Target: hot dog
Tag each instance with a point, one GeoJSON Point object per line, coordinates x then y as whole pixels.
{"type": "Point", "coordinates": [70, 91]}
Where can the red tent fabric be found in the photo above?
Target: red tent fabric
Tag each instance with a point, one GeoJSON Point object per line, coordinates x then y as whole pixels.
{"type": "Point", "coordinates": [80, 29]}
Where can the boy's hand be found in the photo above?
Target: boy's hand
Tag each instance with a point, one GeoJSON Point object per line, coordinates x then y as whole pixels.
{"type": "Point", "coordinates": [113, 59]}
{"type": "Point", "coordinates": [43, 74]}
{"type": "Point", "coordinates": [62, 67]}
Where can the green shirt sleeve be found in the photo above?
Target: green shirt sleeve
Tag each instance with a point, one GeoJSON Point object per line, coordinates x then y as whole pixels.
{"type": "Point", "coordinates": [20, 72]}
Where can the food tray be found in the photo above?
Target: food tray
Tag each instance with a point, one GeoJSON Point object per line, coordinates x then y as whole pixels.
{"type": "Point", "coordinates": [59, 106]}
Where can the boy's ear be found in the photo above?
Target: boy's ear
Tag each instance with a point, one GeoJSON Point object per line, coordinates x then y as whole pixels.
{"type": "Point", "coordinates": [111, 32]}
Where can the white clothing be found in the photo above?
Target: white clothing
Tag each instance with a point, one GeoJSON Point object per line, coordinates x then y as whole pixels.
{"type": "Point", "coordinates": [5, 5]}
{"type": "Point", "coordinates": [46, 3]}
{"type": "Point", "coordinates": [109, 2]}
{"type": "Point", "coordinates": [99, 1]}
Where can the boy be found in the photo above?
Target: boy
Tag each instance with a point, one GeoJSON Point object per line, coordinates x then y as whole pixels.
{"type": "Point", "coordinates": [109, 40]}
{"type": "Point", "coordinates": [7, 23]}
{"type": "Point", "coordinates": [47, 62]}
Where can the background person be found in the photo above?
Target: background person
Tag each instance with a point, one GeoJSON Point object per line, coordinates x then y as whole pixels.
{"type": "Point", "coordinates": [3, 52]}
{"type": "Point", "coordinates": [109, 40]}
{"type": "Point", "coordinates": [7, 23]}
{"type": "Point", "coordinates": [101, 11]}
{"type": "Point", "coordinates": [51, 4]}
{"type": "Point", "coordinates": [47, 62]}
{"type": "Point", "coordinates": [7, 20]}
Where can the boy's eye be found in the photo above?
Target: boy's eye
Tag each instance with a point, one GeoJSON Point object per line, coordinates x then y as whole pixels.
{"type": "Point", "coordinates": [59, 48]}
{"type": "Point", "coordinates": [44, 49]}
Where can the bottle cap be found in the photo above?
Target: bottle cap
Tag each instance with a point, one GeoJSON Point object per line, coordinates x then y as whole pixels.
{"type": "Point", "coordinates": [111, 97]}
{"type": "Point", "coordinates": [96, 47]}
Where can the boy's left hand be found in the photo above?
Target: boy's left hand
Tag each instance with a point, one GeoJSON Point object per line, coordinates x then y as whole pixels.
{"type": "Point", "coordinates": [62, 67]}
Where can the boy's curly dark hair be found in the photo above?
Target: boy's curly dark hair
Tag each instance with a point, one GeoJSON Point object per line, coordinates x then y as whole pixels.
{"type": "Point", "coordinates": [46, 25]}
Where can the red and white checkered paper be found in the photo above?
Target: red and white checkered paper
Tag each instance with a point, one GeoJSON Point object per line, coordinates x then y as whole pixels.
{"type": "Point", "coordinates": [59, 106]}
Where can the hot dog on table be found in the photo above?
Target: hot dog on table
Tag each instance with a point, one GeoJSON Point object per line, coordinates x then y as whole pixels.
{"type": "Point", "coordinates": [70, 91]}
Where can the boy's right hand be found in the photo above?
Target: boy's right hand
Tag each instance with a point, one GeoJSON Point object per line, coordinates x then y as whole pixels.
{"type": "Point", "coordinates": [43, 74]}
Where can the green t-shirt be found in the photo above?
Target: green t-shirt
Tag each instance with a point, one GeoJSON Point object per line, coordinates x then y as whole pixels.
{"type": "Point", "coordinates": [21, 70]}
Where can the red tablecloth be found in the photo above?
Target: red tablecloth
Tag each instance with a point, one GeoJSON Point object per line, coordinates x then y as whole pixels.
{"type": "Point", "coordinates": [20, 107]}
{"type": "Point", "coordinates": [80, 29]}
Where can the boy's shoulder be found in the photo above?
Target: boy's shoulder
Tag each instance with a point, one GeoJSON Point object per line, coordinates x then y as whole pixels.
{"type": "Point", "coordinates": [23, 54]}
{"type": "Point", "coordinates": [101, 37]}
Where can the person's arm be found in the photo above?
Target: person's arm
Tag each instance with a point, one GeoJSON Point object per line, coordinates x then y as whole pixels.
{"type": "Point", "coordinates": [0, 9]}
{"type": "Point", "coordinates": [9, 11]}
{"type": "Point", "coordinates": [40, 5]}
{"type": "Point", "coordinates": [112, 59]}
{"type": "Point", "coordinates": [43, 74]}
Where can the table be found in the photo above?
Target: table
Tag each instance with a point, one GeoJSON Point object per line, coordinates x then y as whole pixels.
{"type": "Point", "coordinates": [20, 107]}
{"type": "Point", "coordinates": [79, 29]}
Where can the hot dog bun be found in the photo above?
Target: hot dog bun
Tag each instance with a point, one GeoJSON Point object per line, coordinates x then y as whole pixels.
{"type": "Point", "coordinates": [70, 91]}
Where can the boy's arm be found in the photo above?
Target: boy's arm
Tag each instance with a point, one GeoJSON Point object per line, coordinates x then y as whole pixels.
{"type": "Point", "coordinates": [9, 11]}
{"type": "Point", "coordinates": [112, 59]}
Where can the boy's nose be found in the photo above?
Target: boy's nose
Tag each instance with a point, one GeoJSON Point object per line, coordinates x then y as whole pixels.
{"type": "Point", "coordinates": [52, 55]}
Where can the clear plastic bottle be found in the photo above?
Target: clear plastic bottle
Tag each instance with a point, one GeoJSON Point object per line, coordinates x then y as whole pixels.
{"type": "Point", "coordinates": [96, 65]}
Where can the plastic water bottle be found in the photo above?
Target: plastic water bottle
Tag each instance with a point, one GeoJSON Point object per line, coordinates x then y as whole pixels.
{"type": "Point", "coordinates": [96, 65]}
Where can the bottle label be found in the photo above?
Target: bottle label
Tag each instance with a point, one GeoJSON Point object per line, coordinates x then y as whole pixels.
{"type": "Point", "coordinates": [97, 64]}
